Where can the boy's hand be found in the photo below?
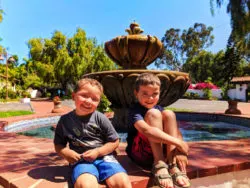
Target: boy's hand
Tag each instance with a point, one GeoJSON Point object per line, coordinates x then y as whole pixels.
{"type": "Point", "coordinates": [183, 147]}
{"type": "Point", "coordinates": [181, 160]}
{"type": "Point", "coordinates": [72, 156]}
{"type": "Point", "coordinates": [90, 155]}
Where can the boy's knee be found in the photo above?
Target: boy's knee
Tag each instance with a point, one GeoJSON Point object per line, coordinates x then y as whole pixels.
{"type": "Point", "coordinates": [153, 113]}
{"type": "Point", "coordinates": [120, 180]}
{"type": "Point", "coordinates": [85, 184]}
{"type": "Point", "coordinates": [86, 180]}
{"type": "Point", "coordinates": [168, 114]}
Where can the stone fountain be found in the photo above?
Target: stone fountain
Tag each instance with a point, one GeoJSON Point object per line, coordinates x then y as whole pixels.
{"type": "Point", "coordinates": [134, 52]}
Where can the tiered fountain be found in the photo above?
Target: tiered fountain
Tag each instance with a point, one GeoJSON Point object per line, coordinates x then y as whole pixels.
{"type": "Point", "coordinates": [134, 52]}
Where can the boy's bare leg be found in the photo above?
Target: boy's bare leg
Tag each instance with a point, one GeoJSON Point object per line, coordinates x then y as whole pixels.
{"type": "Point", "coordinates": [153, 118]}
{"type": "Point", "coordinates": [171, 127]}
{"type": "Point", "coordinates": [119, 180]}
{"type": "Point", "coordinates": [87, 181]}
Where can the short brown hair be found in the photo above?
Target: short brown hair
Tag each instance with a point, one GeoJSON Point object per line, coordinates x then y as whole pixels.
{"type": "Point", "coordinates": [146, 79]}
{"type": "Point", "coordinates": [90, 81]}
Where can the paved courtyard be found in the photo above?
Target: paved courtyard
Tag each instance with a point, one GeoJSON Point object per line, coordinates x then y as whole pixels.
{"type": "Point", "coordinates": [209, 106]}
{"type": "Point", "coordinates": [32, 162]}
{"type": "Point", "coordinates": [186, 104]}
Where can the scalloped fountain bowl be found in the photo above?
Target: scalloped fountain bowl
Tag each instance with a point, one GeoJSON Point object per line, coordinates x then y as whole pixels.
{"type": "Point", "coordinates": [133, 51]}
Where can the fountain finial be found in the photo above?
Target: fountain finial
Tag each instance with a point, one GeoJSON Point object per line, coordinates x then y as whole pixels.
{"type": "Point", "coordinates": [134, 29]}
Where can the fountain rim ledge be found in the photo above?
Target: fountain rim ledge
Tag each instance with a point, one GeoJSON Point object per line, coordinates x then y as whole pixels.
{"type": "Point", "coordinates": [138, 71]}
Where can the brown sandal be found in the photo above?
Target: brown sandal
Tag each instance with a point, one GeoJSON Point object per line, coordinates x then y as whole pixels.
{"type": "Point", "coordinates": [158, 177]}
{"type": "Point", "coordinates": [178, 174]}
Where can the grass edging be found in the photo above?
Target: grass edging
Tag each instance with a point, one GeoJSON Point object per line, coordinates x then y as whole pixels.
{"type": "Point", "coordinates": [14, 113]}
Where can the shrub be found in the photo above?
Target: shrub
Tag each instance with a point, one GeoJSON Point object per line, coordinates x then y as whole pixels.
{"type": "Point", "coordinates": [207, 93]}
{"type": "Point", "coordinates": [26, 94]}
{"type": "Point", "coordinates": [186, 95]}
{"type": "Point", "coordinates": [191, 95]}
{"type": "Point", "coordinates": [47, 94]}
{"type": "Point", "coordinates": [191, 86]}
{"type": "Point", "coordinates": [194, 95]}
{"type": "Point", "coordinates": [104, 105]}
{"type": "Point", "coordinates": [11, 94]}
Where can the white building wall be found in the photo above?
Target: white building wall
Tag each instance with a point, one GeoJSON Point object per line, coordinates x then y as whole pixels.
{"type": "Point", "coordinates": [238, 93]}
{"type": "Point", "coordinates": [241, 91]}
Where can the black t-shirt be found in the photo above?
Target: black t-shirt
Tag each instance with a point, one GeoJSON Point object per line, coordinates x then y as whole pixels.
{"type": "Point", "coordinates": [84, 132]}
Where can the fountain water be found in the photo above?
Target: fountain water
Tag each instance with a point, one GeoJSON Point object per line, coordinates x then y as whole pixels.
{"type": "Point", "coordinates": [134, 52]}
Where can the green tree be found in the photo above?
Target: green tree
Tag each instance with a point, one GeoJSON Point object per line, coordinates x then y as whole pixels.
{"type": "Point", "coordinates": [200, 66]}
{"type": "Point", "coordinates": [1, 19]}
{"type": "Point", "coordinates": [1, 15]}
{"type": "Point", "coordinates": [21, 74]}
{"type": "Point", "coordinates": [240, 23]}
{"type": "Point", "coordinates": [205, 65]}
{"type": "Point", "coordinates": [32, 80]}
{"type": "Point", "coordinates": [247, 69]}
{"type": "Point", "coordinates": [60, 60]}
{"type": "Point", "coordinates": [217, 69]}
{"type": "Point", "coordinates": [232, 64]}
{"type": "Point", "coordinates": [180, 46]}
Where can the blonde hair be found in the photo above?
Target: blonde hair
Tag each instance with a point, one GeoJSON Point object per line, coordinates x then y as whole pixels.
{"type": "Point", "coordinates": [146, 79]}
{"type": "Point", "coordinates": [90, 81]}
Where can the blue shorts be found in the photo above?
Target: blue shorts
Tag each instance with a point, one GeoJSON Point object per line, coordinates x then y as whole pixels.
{"type": "Point", "coordinates": [101, 168]}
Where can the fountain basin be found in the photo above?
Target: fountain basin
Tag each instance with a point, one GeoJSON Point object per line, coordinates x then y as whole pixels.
{"type": "Point", "coordinates": [119, 88]}
{"type": "Point", "coordinates": [119, 85]}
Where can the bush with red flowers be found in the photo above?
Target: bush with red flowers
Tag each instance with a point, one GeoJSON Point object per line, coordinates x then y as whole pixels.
{"type": "Point", "coordinates": [205, 85]}
{"type": "Point", "coordinates": [191, 86]}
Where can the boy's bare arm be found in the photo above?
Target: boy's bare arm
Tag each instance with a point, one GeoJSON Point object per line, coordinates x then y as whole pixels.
{"type": "Point", "coordinates": [107, 148]}
{"type": "Point", "coordinates": [156, 135]}
{"type": "Point", "coordinates": [179, 134]}
{"type": "Point", "coordinates": [70, 155]}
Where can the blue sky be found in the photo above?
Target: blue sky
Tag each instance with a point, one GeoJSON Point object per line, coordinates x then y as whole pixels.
{"type": "Point", "coordinates": [104, 19]}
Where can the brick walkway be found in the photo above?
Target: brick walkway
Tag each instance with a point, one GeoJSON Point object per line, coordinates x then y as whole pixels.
{"type": "Point", "coordinates": [32, 162]}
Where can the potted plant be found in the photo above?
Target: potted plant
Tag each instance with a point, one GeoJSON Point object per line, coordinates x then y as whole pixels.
{"type": "Point", "coordinates": [57, 102]}
{"type": "Point", "coordinates": [57, 105]}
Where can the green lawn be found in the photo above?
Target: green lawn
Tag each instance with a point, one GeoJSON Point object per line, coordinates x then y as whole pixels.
{"type": "Point", "coordinates": [178, 109]}
{"type": "Point", "coordinates": [14, 113]}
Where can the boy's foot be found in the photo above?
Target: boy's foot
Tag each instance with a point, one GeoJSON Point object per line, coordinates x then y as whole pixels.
{"type": "Point", "coordinates": [180, 179]}
{"type": "Point", "coordinates": [162, 177]}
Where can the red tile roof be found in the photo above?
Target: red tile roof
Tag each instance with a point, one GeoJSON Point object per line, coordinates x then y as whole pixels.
{"type": "Point", "coordinates": [243, 79]}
